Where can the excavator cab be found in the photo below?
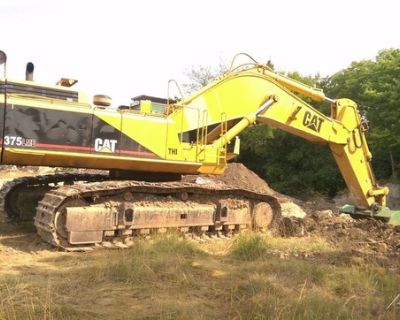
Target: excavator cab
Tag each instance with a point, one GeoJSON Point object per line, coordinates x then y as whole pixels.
{"type": "Point", "coordinates": [149, 104]}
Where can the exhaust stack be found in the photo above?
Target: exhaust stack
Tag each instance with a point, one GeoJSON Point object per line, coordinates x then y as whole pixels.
{"type": "Point", "coordinates": [3, 60]}
{"type": "Point", "coordinates": [29, 71]}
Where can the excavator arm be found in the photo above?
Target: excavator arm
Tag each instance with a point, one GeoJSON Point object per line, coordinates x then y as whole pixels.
{"type": "Point", "coordinates": [254, 93]}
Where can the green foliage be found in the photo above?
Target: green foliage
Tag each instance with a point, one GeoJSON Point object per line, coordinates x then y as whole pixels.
{"type": "Point", "coordinates": [290, 164]}
{"type": "Point", "coordinates": [375, 86]}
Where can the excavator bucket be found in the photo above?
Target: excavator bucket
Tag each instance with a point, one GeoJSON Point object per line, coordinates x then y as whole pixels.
{"type": "Point", "coordinates": [384, 214]}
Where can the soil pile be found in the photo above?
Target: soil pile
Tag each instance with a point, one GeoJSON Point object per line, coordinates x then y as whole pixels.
{"type": "Point", "coordinates": [237, 175]}
{"type": "Point", "coordinates": [363, 236]}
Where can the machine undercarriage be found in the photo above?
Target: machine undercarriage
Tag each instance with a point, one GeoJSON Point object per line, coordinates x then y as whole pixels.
{"type": "Point", "coordinates": [81, 215]}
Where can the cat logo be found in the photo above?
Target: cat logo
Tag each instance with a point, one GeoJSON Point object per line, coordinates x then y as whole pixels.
{"type": "Point", "coordinates": [312, 122]}
{"type": "Point", "coordinates": [104, 145]}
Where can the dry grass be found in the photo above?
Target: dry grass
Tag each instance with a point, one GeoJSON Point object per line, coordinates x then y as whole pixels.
{"type": "Point", "coordinates": [253, 277]}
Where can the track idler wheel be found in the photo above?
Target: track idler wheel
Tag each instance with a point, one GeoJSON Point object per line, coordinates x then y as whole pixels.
{"type": "Point", "coordinates": [263, 216]}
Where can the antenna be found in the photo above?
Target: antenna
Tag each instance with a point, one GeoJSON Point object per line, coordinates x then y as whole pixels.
{"type": "Point", "coordinates": [3, 60]}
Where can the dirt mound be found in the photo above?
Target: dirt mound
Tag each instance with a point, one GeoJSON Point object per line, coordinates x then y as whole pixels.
{"type": "Point", "coordinates": [364, 236]}
{"type": "Point", "coordinates": [237, 175]}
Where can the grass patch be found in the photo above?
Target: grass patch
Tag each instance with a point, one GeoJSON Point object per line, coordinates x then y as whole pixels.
{"type": "Point", "coordinates": [273, 286]}
{"type": "Point", "coordinates": [252, 246]}
{"type": "Point", "coordinates": [249, 247]}
{"type": "Point", "coordinates": [22, 299]}
{"type": "Point", "coordinates": [304, 245]}
{"type": "Point", "coordinates": [152, 262]}
{"type": "Point", "coordinates": [296, 289]}
{"type": "Point", "coordinates": [171, 278]}
{"type": "Point", "coordinates": [295, 271]}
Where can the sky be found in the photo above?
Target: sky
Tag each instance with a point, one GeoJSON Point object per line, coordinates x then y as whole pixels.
{"type": "Point", "coordinates": [127, 48]}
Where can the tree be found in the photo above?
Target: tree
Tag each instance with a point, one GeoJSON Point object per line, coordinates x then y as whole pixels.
{"type": "Point", "coordinates": [200, 76]}
{"type": "Point", "coordinates": [375, 86]}
{"type": "Point", "coordinates": [290, 164]}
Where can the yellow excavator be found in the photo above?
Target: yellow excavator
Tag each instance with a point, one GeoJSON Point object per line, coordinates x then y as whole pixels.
{"type": "Point", "coordinates": [148, 144]}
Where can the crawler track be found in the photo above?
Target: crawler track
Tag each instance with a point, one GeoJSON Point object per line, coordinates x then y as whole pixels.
{"type": "Point", "coordinates": [34, 189]}
{"type": "Point", "coordinates": [83, 216]}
